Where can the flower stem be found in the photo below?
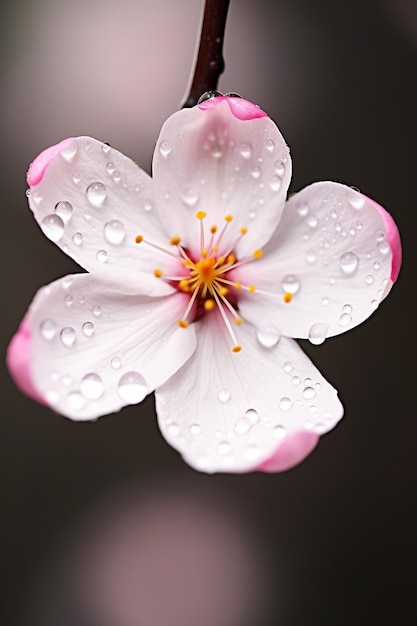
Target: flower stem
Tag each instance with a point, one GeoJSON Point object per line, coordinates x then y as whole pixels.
{"type": "Point", "coordinates": [210, 62]}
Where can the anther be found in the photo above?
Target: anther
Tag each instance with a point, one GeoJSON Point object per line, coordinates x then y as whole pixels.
{"type": "Point", "coordinates": [184, 285]}
{"type": "Point", "coordinates": [228, 218]}
{"type": "Point", "coordinates": [236, 348]}
{"type": "Point", "coordinates": [243, 230]}
{"type": "Point", "coordinates": [257, 254]}
{"type": "Point", "coordinates": [252, 288]}
{"type": "Point", "coordinates": [174, 241]}
{"type": "Point", "coordinates": [209, 305]}
{"type": "Point", "coordinates": [238, 320]}
{"type": "Point", "coordinates": [182, 324]}
{"type": "Point", "coordinates": [231, 258]}
{"type": "Point", "coordinates": [223, 291]}
{"type": "Point", "coordinates": [200, 215]}
{"type": "Point", "coordinates": [213, 229]}
{"type": "Point", "coordinates": [158, 273]}
{"type": "Point", "coordinates": [287, 297]}
{"type": "Point", "coordinates": [238, 285]}
{"type": "Point", "coordinates": [138, 238]}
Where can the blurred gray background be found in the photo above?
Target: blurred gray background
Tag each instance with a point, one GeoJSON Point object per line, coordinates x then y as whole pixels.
{"type": "Point", "coordinates": [103, 524]}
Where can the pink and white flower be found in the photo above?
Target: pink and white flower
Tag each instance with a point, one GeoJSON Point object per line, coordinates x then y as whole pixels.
{"type": "Point", "coordinates": [197, 283]}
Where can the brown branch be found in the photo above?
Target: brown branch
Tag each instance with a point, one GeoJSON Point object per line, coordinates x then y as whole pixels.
{"type": "Point", "coordinates": [210, 62]}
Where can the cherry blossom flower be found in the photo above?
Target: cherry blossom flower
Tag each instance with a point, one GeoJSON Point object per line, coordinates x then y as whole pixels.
{"type": "Point", "coordinates": [198, 282]}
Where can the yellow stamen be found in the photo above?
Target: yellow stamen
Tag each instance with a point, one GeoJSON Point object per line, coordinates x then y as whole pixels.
{"type": "Point", "coordinates": [228, 218]}
{"type": "Point", "coordinates": [204, 252]}
{"type": "Point", "coordinates": [238, 285]}
{"type": "Point", "coordinates": [200, 215]}
{"type": "Point", "coordinates": [236, 348]}
{"type": "Point", "coordinates": [223, 291]}
{"type": "Point", "coordinates": [138, 238]}
{"type": "Point", "coordinates": [243, 230]}
{"type": "Point", "coordinates": [220, 260]}
{"type": "Point", "coordinates": [287, 297]}
{"type": "Point", "coordinates": [252, 288]}
{"type": "Point", "coordinates": [257, 254]}
{"type": "Point", "coordinates": [158, 273]}
{"type": "Point", "coordinates": [238, 320]}
{"type": "Point", "coordinates": [182, 324]}
{"type": "Point", "coordinates": [213, 229]}
{"type": "Point", "coordinates": [209, 305]}
{"type": "Point", "coordinates": [174, 241]}
{"type": "Point", "coordinates": [184, 285]}
{"type": "Point", "coordinates": [231, 258]}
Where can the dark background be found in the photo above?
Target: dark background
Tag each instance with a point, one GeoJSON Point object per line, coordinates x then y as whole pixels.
{"type": "Point", "coordinates": [331, 542]}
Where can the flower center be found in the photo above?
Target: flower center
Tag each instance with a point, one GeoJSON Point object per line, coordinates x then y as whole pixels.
{"type": "Point", "coordinates": [207, 279]}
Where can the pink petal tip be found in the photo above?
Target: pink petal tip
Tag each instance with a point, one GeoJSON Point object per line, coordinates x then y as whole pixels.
{"type": "Point", "coordinates": [18, 363]}
{"type": "Point", "coordinates": [290, 452]}
{"type": "Point", "coordinates": [38, 167]}
{"type": "Point", "coordinates": [242, 109]}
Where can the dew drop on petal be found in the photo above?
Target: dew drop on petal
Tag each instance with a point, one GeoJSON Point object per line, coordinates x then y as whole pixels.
{"type": "Point", "coordinates": [102, 256]}
{"type": "Point", "coordinates": [68, 336]}
{"type": "Point", "coordinates": [275, 183]}
{"type": "Point", "coordinates": [69, 299]}
{"type": "Point", "coordinates": [242, 425]}
{"type": "Point", "coordinates": [132, 387]}
{"type": "Point", "coordinates": [296, 380]}
{"type": "Point", "coordinates": [53, 227]}
{"type": "Point", "coordinates": [347, 308]}
{"type": "Point", "coordinates": [369, 279]}
{"type": "Point", "coordinates": [311, 257]}
{"type": "Point", "coordinates": [291, 284]}
{"type": "Point", "coordinates": [147, 206]}
{"type": "Point", "coordinates": [317, 333]}
{"type": "Point", "coordinates": [285, 404]}
{"type": "Point", "coordinates": [252, 415]}
{"type": "Point", "coordinates": [279, 167]}
{"type": "Point", "coordinates": [48, 329]}
{"type": "Point", "coordinates": [91, 386]}
{"type": "Point", "coordinates": [76, 178]}
{"type": "Point", "coordinates": [224, 395]}
{"type": "Point", "coordinates": [195, 429]}
{"type": "Point", "coordinates": [224, 448]}
{"type": "Point", "coordinates": [345, 319]}
{"type": "Point", "coordinates": [355, 199]}
{"type": "Point", "coordinates": [312, 221]}
{"type": "Point", "coordinates": [348, 262]}
{"type": "Point", "coordinates": [303, 209]}
{"type": "Point", "coordinates": [88, 329]}
{"type": "Point", "coordinates": [309, 393]}
{"type": "Point", "coordinates": [173, 429]}
{"type": "Point", "coordinates": [77, 238]}
{"type": "Point", "coordinates": [69, 152]}
{"type": "Point", "coordinates": [190, 198]}
{"type": "Point", "coordinates": [116, 363]}
{"type": "Point", "coordinates": [267, 339]}
{"type": "Point", "coordinates": [164, 148]}
{"type": "Point", "coordinates": [270, 145]}
{"type": "Point", "coordinates": [255, 172]}
{"type": "Point", "coordinates": [96, 310]}
{"type": "Point", "coordinates": [288, 366]}
{"type": "Point", "coordinates": [252, 453]}
{"type": "Point", "coordinates": [96, 194]}
{"type": "Point", "coordinates": [279, 432]}
{"type": "Point", "coordinates": [384, 247]}
{"type": "Point", "coordinates": [114, 232]}
{"type": "Point", "coordinates": [75, 400]}
{"type": "Point", "coordinates": [64, 210]}
{"type": "Point", "coordinates": [245, 149]}
{"type": "Point", "coordinates": [216, 152]}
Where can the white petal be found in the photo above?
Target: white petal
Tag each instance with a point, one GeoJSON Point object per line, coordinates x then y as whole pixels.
{"type": "Point", "coordinates": [332, 253]}
{"type": "Point", "coordinates": [94, 348]}
{"type": "Point", "coordinates": [209, 160]}
{"type": "Point", "coordinates": [232, 412]}
{"type": "Point", "coordinates": [92, 201]}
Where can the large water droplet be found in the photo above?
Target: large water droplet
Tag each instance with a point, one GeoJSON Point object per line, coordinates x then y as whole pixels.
{"type": "Point", "coordinates": [92, 386]}
{"type": "Point", "coordinates": [345, 319]}
{"type": "Point", "coordinates": [195, 429]}
{"type": "Point", "coordinates": [64, 210]}
{"type": "Point", "coordinates": [77, 238]}
{"type": "Point", "coordinates": [384, 247]}
{"type": "Point", "coordinates": [68, 336]}
{"type": "Point", "coordinates": [88, 329]}
{"type": "Point", "coordinates": [69, 152]}
{"type": "Point", "coordinates": [348, 262]}
{"type": "Point", "coordinates": [267, 339]}
{"type": "Point", "coordinates": [291, 284]}
{"type": "Point", "coordinates": [309, 393]}
{"type": "Point", "coordinates": [285, 404]}
{"type": "Point", "coordinates": [114, 232]}
{"type": "Point", "coordinates": [48, 329]}
{"type": "Point", "coordinates": [224, 395]}
{"type": "Point", "coordinates": [317, 333]}
{"type": "Point", "coordinates": [53, 227]}
{"type": "Point", "coordinates": [132, 387]}
{"type": "Point", "coordinates": [190, 198]}
{"type": "Point", "coordinates": [102, 256]}
{"type": "Point", "coordinates": [279, 432]}
{"type": "Point", "coordinates": [242, 425]}
{"type": "Point", "coordinates": [355, 199]}
{"type": "Point", "coordinates": [96, 194]}
{"type": "Point", "coordinates": [252, 415]}
{"type": "Point", "coordinates": [164, 148]}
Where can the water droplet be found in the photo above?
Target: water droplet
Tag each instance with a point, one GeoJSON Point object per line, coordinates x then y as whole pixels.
{"type": "Point", "coordinates": [216, 152]}
{"type": "Point", "coordinates": [325, 301]}
{"type": "Point", "coordinates": [279, 432]}
{"type": "Point", "coordinates": [75, 400]}
{"type": "Point", "coordinates": [224, 448]}
{"type": "Point", "coordinates": [374, 304]}
{"type": "Point", "coordinates": [348, 262]}
{"type": "Point", "coordinates": [317, 333]}
{"type": "Point", "coordinates": [245, 149]}
{"type": "Point", "coordinates": [88, 329]}
{"type": "Point", "coordinates": [102, 256]}
{"type": "Point", "coordinates": [252, 215]}
{"type": "Point", "coordinates": [66, 381]}
{"type": "Point", "coordinates": [48, 329]}
{"type": "Point", "coordinates": [285, 403]}
{"type": "Point", "coordinates": [291, 284]}
{"type": "Point", "coordinates": [224, 395]}
{"type": "Point", "coordinates": [295, 380]}
{"type": "Point", "coordinates": [68, 336]}
{"type": "Point", "coordinates": [195, 429]}
{"type": "Point", "coordinates": [64, 210]}
{"type": "Point", "coordinates": [96, 194]}
{"type": "Point", "coordinates": [345, 319]}
{"type": "Point", "coordinates": [384, 247]}
{"type": "Point", "coordinates": [275, 183]}
{"type": "Point", "coordinates": [376, 265]}
{"type": "Point", "coordinates": [242, 425]}
{"type": "Point", "coordinates": [303, 209]}
{"type": "Point", "coordinates": [311, 257]}
{"type": "Point", "coordinates": [255, 171]}
{"type": "Point", "coordinates": [352, 232]}
{"type": "Point", "coordinates": [117, 176]}
{"type": "Point", "coordinates": [91, 386]}
{"type": "Point", "coordinates": [69, 152]}
{"type": "Point", "coordinates": [96, 310]}
{"type": "Point", "coordinates": [114, 232]}
{"type": "Point", "coordinates": [147, 206]}
{"type": "Point", "coordinates": [355, 199]}
{"type": "Point", "coordinates": [267, 339]}
{"type": "Point", "coordinates": [190, 198]}
{"type": "Point", "coordinates": [208, 95]}
{"type": "Point", "coordinates": [309, 393]}
{"type": "Point", "coordinates": [76, 178]}
{"type": "Point", "coordinates": [116, 363]}
{"type": "Point", "coordinates": [69, 299]}
{"type": "Point", "coordinates": [312, 221]}
{"type": "Point", "coordinates": [77, 238]}
{"type": "Point", "coordinates": [288, 366]}
{"type": "Point", "coordinates": [347, 308]}
{"type": "Point", "coordinates": [110, 168]}
{"type": "Point", "coordinates": [379, 235]}
{"type": "Point", "coordinates": [369, 279]}
{"type": "Point", "coordinates": [252, 416]}
{"type": "Point", "coordinates": [53, 227]}
{"type": "Point", "coordinates": [270, 145]}
{"type": "Point", "coordinates": [173, 429]}
{"type": "Point", "coordinates": [132, 387]}
{"type": "Point", "coordinates": [164, 148]}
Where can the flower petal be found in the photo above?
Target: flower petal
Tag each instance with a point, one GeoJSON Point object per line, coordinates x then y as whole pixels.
{"type": "Point", "coordinates": [92, 201]}
{"type": "Point", "coordinates": [91, 348]}
{"type": "Point", "coordinates": [261, 408]}
{"type": "Point", "coordinates": [210, 160]}
{"type": "Point", "coordinates": [335, 252]}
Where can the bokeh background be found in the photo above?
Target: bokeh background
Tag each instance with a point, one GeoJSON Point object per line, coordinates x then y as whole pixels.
{"type": "Point", "coordinates": [102, 523]}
